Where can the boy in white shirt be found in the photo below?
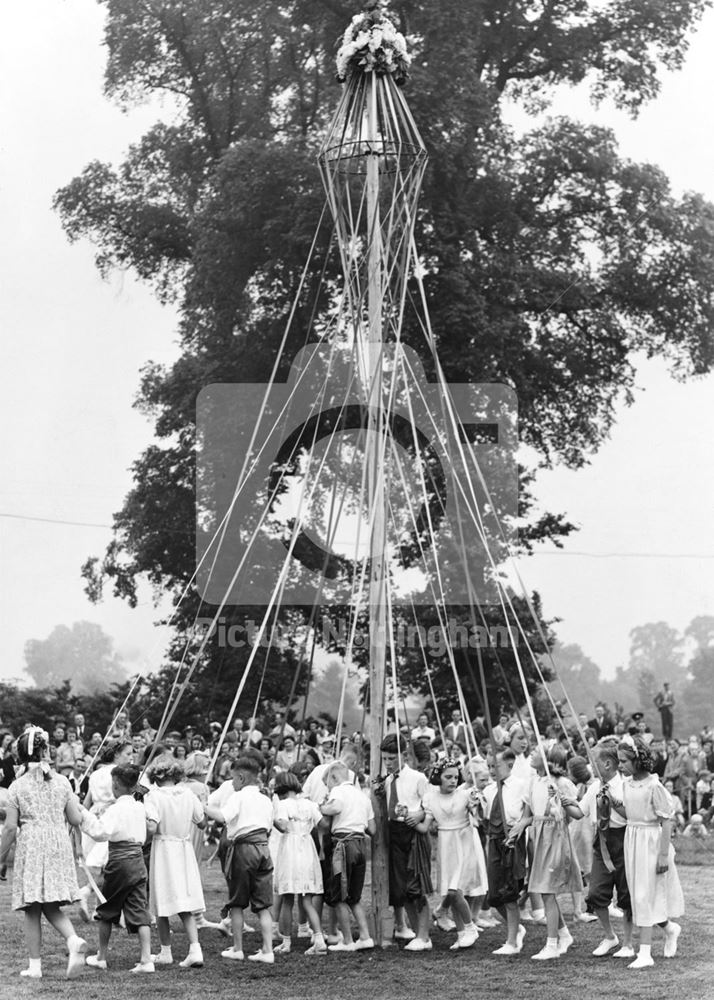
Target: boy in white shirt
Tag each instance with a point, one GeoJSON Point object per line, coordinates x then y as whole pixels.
{"type": "Point", "coordinates": [248, 868]}
{"type": "Point", "coordinates": [352, 817]}
{"type": "Point", "coordinates": [124, 825]}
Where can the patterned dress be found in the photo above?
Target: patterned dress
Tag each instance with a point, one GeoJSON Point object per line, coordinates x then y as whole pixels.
{"type": "Point", "coordinates": [44, 869]}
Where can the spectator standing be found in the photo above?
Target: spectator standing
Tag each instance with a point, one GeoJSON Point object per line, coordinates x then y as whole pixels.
{"type": "Point", "coordinates": [664, 703]}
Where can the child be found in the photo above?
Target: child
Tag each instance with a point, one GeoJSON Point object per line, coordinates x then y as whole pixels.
{"type": "Point", "coordinates": [554, 867]}
{"type": "Point", "coordinates": [352, 818]}
{"type": "Point", "coordinates": [462, 866]}
{"type": "Point", "coordinates": [679, 821]}
{"type": "Point", "coordinates": [582, 831]}
{"type": "Point", "coordinates": [409, 851]}
{"type": "Point", "coordinates": [297, 866]}
{"type": "Point", "coordinates": [649, 854]}
{"type": "Point", "coordinates": [248, 815]}
{"type": "Point", "coordinates": [506, 853]}
{"type": "Point", "coordinates": [123, 824]}
{"type": "Point", "coordinates": [477, 778]}
{"type": "Point", "coordinates": [175, 880]}
{"type": "Point", "coordinates": [696, 828]}
{"type": "Point", "coordinates": [38, 804]}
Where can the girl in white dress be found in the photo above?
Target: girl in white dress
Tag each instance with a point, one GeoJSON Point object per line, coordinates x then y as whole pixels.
{"type": "Point", "coordinates": [462, 868]}
{"type": "Point", "coordinates": [655, 889]}
{"type": "Point", "coordinates": [174, 878]}
{"type": "Point", "coordinates": [297, 866]}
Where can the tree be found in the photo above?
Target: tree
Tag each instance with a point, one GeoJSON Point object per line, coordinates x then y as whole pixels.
{"type": "Point", "coordinates": [83, 655]}
{"type": "Point", "coordinates": [656, 655]}
{"type": "Point", "coordinates": [550, 262]}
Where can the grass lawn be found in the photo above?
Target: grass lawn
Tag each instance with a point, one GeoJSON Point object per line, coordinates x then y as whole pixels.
{"type": "Point", "coordinates": [437, 974]}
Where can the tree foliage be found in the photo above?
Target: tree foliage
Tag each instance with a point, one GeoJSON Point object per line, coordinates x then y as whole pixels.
{"type": "Point", "coordinates": [550, 259]}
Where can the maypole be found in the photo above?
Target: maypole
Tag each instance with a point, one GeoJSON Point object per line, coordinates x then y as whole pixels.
{"type": "Point", "coordinates": [372, 163]}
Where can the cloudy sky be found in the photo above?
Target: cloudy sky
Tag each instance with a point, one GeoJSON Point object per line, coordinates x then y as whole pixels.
{"type": "Point", "coordinates": [73, 344]}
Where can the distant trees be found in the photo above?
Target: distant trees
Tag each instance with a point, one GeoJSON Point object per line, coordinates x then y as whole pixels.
{"type": "Point", "coordinates": [84, 655]}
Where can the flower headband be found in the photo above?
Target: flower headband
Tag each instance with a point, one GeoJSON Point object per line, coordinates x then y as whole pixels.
{"type": "Point", "coordinates": [639, 750]}
{"type": "Point", "coordinates": [36, 734]}
{"type": "Point", "coordinates": [444, 765]}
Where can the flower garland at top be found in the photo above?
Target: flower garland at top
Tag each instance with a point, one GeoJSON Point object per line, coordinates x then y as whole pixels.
{"type": "Point", "coordinates": [372, 44]}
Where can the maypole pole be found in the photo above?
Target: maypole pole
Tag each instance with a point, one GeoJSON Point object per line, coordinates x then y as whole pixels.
{"type": "Point", "coordinates": [372, 162]}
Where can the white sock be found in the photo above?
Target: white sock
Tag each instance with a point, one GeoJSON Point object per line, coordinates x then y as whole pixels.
{"type": "Point", "coordinates": [194, 949]}
{"type": "Point", "coordinates": [73, 941]}
{"type": "Point", "coordinates": [35, 965]}
{"type": "Point", "coordinates": [645, 951]}
{"type": "Point", "coordinates": [563, 932]}
{"type": "Point", "coordinates": [166, 951]}
{"type": "Point", "coordinates": [552, 942]}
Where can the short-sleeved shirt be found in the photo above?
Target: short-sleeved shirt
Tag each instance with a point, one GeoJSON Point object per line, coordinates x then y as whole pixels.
{"type": "Point", "coordinates": [247, 811]}
{"type": "Point", "coordinates": [412, 786]}
{"type": "Point", "coordinates": [355, 809]}
{"type": "Point", "coordinates": [125, 819]}
{"type": "Point", "coordinates": [514, 800]}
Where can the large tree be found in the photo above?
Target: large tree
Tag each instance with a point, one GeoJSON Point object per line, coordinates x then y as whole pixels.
{"type": "Point", "coordinates": [550, 260]}
{"type": "Point", "coordinates": [84, 655]}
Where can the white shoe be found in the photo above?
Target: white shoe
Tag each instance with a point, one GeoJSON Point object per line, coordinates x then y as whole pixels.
{"type": "Point", "coordinates": [304, 931]}
{"type": "Point", "coordinates": [641, 962]}
{"type": "Point", "coordinates": [520, 936]}
{"type": "Point", "coordinates": [565, 939]}
{"type": "Point", "coordinates": [76, 958]}
{"type": "Point", "coordinates": [418, 944]}
{"type": "Point", "coordinates": [316, 950]}
{"type": "Point", "coordinates": [606, 946]}
{"type": "Point", "coordinates": [162, 959]}
{"type": "Point", "coordinates": [30, 974]}
{"type": "Point", "coordinates": [237, 956]}
{"type": "Point", "coordinates": [192, 961]}
{"type": "Point", "coordinates": [226, 927]}
{"type": "Point", "coordinates": [625, 952]}
{"type": "Point", "coordinates": [486, 923]}
{"type": "Point", "coordinates": [334, 938]}
{"type": "Point", "coordinates": [364, 944]}
{"type": "Point", "coordinates": [142, 967]}
{"type": "Point", "coordinates": [262, 956]}
{"type": "Point", "coordinates": [507, 949]}
{"type": "Point", "coordinates": [546, 953]}
{"type": "Point", "coordinates": [585, 918]}
{"type": "Point", "coordinates": [615, 911]}
{"type": "Point", "coordinates": [405, 934]}
{"type": "Point", "coordinates": [284, 948]}
{"type": "Point", "coordinates": [671, 934]}
{"type": "Point", "coordinates": [444, 922]}
{"type": "Point", "coordinates": [96, 962]}
{"type": "Point", "coordinates": [468, 936]}
{"type": "Point", "coordinates": [342, 946]}
{"type": "Point", "coordinates": [203, 924]}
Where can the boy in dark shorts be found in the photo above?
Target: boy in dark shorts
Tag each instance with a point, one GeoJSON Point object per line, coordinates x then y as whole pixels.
{"type": "Point", "coordinates": [124, 825]}
{"type": "Point", "coordinates": [248, 869]}
{"type": "Point", "coordinates": [352, 818]}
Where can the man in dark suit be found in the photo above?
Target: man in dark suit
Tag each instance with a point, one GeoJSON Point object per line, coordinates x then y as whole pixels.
{"type": "Point", "coordinates": [601, 725]}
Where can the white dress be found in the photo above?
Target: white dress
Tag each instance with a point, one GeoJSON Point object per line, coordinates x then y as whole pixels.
{"type": "Point", "coordinates": [297, 866]}
{"type": "Point", "coordinates": [174, 878]}
{"type": "Point", "coordinates": [655, 898]}
{"type": "Point", "coordinates": [462, 864]}
{"type": "Point", "coordinates": [96, 852]}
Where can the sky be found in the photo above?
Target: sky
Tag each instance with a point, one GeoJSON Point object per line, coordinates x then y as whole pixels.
{"type": "Point", "coordinates": [72, 346]}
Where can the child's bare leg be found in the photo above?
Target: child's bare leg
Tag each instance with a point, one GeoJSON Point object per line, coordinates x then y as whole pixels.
{"type": "Point", "coordinates": [311, 914]}
{"type": "Point", "coordinates": [361, 919]}
{"type": "Point", "coordinates": [343, 920]}
{"type": "Point", "coordinates": [164, 928]}
{"type": "Point", "coordinates": [285, 915]}
{"type": "Point", "coordinates": [553, 918]}
{"type": "Point", "coordinates": [237, 927]}
{"type": "Point", "coordinates": [475, 905]}
{"type": "Point", "coordinates": [512, 923]}
{"type": "Point", "coordinates": [266, 929]}
{"type": "Point", "coordinates": [459, 908]}
{"type": "Point", "coordinates": [59, 920]}
{"type": "Point", "coordinates": [144, 935]}
{"type": "Point", "coordinates": [603, 916]}
{"type": "Point", "coordinates": [33, 930]}
{"type": "Point", "coordinates": [105, 933]}
{"type": "Point", "coordinates": [189, 922]}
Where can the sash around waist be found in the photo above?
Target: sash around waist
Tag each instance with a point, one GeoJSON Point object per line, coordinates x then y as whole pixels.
{"type": "Point", "coordinates": [253, 837]}
{"type": "Point", "coordinates": [169, 838]}
{"type": "Point", "coordinates": [125, 849]}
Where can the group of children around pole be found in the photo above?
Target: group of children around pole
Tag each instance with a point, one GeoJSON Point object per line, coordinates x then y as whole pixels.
{"type": "Point", "coordinates": [505, 829]}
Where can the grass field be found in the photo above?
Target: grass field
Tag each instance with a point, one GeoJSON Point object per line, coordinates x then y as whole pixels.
{"type": "Point", "coordinates": [426, 976]}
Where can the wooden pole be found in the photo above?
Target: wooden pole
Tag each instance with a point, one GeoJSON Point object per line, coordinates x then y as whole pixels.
{"type": "Point", "coordinates": [377, 506]}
